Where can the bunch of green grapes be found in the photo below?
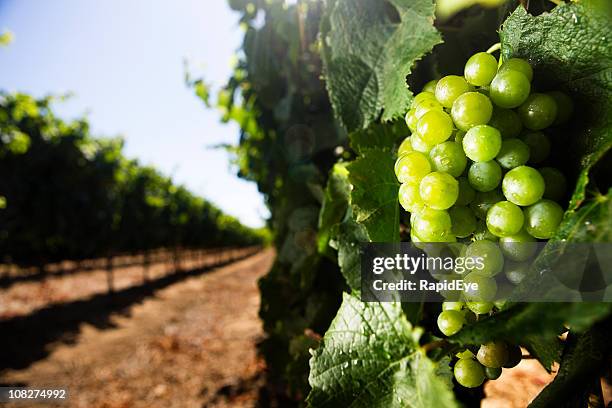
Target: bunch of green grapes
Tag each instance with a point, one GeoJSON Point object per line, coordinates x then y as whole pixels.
{"type": "Point", "coordinates": [471, 173]}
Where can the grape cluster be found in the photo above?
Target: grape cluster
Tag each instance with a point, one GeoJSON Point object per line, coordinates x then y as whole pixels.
{"type": "Point", "coordinates": [472, 173]}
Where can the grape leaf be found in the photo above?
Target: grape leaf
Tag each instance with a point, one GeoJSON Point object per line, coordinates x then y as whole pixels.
{"type": "Point", "coordinates": [570, 49]}
{"type": "Point", "coordinates": [370, 357]}
{"type": "Point", "coordinates": [380, 136]}
{"type": "Point", "coordinates": [374, 195]}
{"type": "Point", "coordinates": [349, 235]}
{"type": "Point", "coordinates": [369, 48]}
{"type": "Point", "coordinates": [335, 203]}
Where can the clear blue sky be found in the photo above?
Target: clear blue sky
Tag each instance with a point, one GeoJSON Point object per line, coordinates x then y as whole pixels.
{"type": "Point", "coordinates": [123, 59]}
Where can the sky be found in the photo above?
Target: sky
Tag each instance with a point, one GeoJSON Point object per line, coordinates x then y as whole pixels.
{"type": "Point", "coordinates": [124, 62]}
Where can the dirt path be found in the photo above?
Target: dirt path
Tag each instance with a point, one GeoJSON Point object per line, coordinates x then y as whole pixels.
{"type": "Point", "coordinates": [192, 345]}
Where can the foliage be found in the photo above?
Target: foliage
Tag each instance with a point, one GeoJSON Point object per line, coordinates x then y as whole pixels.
{"type": "Point", "coordinates": [328, 192]}
{"type": "Point", "coordinates": [68, 195]}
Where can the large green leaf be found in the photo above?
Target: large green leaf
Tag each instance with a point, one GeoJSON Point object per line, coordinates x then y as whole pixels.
{"type": "Point", "coordinates": [369, 49]}
{"type": "Point", "coordinates": [370, 357]}
{"type": "Point", "coordinates": [570, 49]}
{"type": "Point", "coordinates": [374, 195]}
{"type": "Point", "coordinates": [349, 235]}
{"type": "Point", "coordinates": [335, 203]}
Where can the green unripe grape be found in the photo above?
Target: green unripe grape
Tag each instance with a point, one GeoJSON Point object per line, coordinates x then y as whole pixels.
{"type": "Point", "coordinates": [506, 121]}
{"type": "Point", "coordinates": [409, 197]}
{"type": "Point", "coordinates": [565, 107]}
{"type": "Point", "coordinates": [449, 88]}
{"type": "Point", "coordinates": [543, 218]}
{"type": "Point", "coordinates": [513, 153]}
{"type": "Point", "coordinates": [439, 190]}
{"type": "Point", "coordinates": [505, 219]}
{"type": "Point", "coordinates": [480, 308]}
{"type": "Point", "coordinates": [509, 89]}
{"type": "Point", "coordinates": [448, 157]}
{"type": "Point", "coordinates": [459, 135]}
{"type": "Point", "coordinates": [493, 373]}
{"type": "Point", "coordinates": [539, 111]}
{"type": "Point", "coordinates": [466, 192]}
{"type": "Point", "coordinates": [554, 183]}
{"type": "Point", "coordinates": [411, 120]}
{"type": "Point", "coordinates": [520, 65]}
{"type": "Point", "coordinates": [485, 200]}
{"type": "Point", "coordinates": [471, 109]}
{"type": "Point", "coordinates": [493, 354]}
{"type": "Point", "coordinates": [485, 176]}
{"type": "Point", "coordinates": [523, 186]}
{"type": "Point", "coordinates": [516, 271]}
{"type": "Point", "coordinates": [482, 232]}
{"type": "Point", "coordinates": [539, 146]}
{"type": "Point", "coordinates": [518, 247]}
{"type": "Point", "coordinates": [404, 147]}
{"type": "Point", "coordinates": [450, 322]}
{"type": "Point", "coordinates": [457, 306]}
{"type": "Point", "coordinates": [463, 220]}
{"type": "Point", "coordinates": [419, 145]}
{"type": "Point", "coordinates": [422, 96]}
{"type": "Point", "coordinates": [435, 127]}
{"type": "Point", "coordinates": [430, 86]}
{"type": "Point", "coordinates": [482, 143]}
{"type": "Point", "coordinates": [515, 355]}
{"type": "Point", "coordinates": [480, 69]}
{"type": "Point", "coordinates": [465, 354]}
{"type": "Point", "coordinates": [432, 225]}
{"type": "Point", "coordinates": [487, 258]}
{"type": "Point", "coordinates": [412, 167]}
{"type": "Point", "coordinates": [425, 106]}
{"type": "Point", "coordinates": [469, 373]}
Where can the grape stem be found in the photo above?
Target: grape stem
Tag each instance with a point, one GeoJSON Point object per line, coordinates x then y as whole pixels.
{"type": "Point", "coordinates": [493, 48]}
{"type": "Point", "coordinates": [435, 344]}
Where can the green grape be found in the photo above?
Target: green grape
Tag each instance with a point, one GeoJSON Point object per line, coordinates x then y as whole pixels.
{"type": "Point", "coordinates": [412, 167]}
{"type": "Point", "coordinates": [515, 355]}
{"type": "Point", "coordinates": [465, 354]}
{"type": "Point", "coordinates": [471, 109]}
{"type": "Point", "coordinates": [430, 86]}
{"type": "Point", "coordinates": [466, 192]}
{"type": "Point", "coordinates": [458, 306]}
{"type": "Point", "coordinates": [404, 147]}
{"type": "Point", "coordinates": [483, 233]}
{"type": "Point", "coordinates": [435, 127]}
{"type": "Point", "coordinates": [420, 97]}
{"type": "Point", "coordinates": [425, 106]}
{"type": "Point", "coordinates": [432, 225]}
{"type": "Point", "coordinates": [485, 176]}
{"type": "Point", "coordinates": [448, 157]}
{"type": "Point", "coordinates": [449, 88]}
{"type": "Point", "coordinates": [469, 373]}
{"type": "Point", "coordinates": [411, 120]}
{"type": "Point", "coordinates": [505, 219]}
{"type": "Point", "coordinates": [539, 146]}
{"type": "Point", "coordinates": [463, 220]}
{"type": "Point", "coordinates": [459, 135]}
{"type": "Point", "coordinates": [480, 69]}
{"type": "Point", "coordinates": [487, 258]}
{"type": "Point", "coordinates": [409, 197]}
{"type": "Point", "coordinates": [523, 185]}
{"type": "Point", "coordinates": [509, 88]}
{"type": "Point", "coordinates": [554, 183]}
{"type": "Point", "coordinates": [482, 143]}
{"type": "Point", "coordinates": [565, 107]}
{"type": "Point", "coordinates": [439, 190]}
{"type": "Point", "coordinates": [493, 354]}
{"type": "Point", "coordinates": [518, 64]}
{"type": "Point", "coordinates": [518, 247]}
{"type": "Point", "coordinates": [480, 308]}
{"type": "Point", "coordinates": [516, 271]}
{"type": "Point", "coordinates": [506, 121]}
{"type": "Point", "coordinates": [543, 218]}
{"type": "Point", "coordinates": [450, 322]}
{"type": "Point", "coordinates": [539, 111]}
{"type": "Point", "coordinates": [485, 200]}
{"type": "Point", "coordinates": [493, 373]}
{"type": "Point", "coordinates": [419, 145]}
{"type": "Point", "coordinates": [484, 292]}
{"type": "Point", "coordinates": [513, 153]}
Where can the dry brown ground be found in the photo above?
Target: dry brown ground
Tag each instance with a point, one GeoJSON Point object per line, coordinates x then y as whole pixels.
{"type": "Point", "coordinates": [192, 345]}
